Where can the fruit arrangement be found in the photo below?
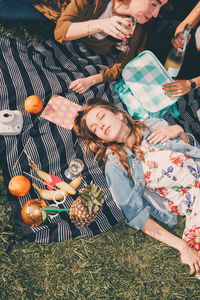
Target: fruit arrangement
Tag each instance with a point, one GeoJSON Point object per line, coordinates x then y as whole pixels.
{"type": "Point", "coordinates": [66, 188]}
{"type": "Point", "coordinates": [84, 209]}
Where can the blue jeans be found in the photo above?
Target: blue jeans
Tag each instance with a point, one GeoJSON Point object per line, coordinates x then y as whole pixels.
{"type": "Point", "coordinates": [19, 10]}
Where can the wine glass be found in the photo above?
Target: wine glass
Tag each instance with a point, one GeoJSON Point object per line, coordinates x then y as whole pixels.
{"type": "Point", "coordinates": [75, 168]}
{"type": "Point", "coordinates": [123, 45]}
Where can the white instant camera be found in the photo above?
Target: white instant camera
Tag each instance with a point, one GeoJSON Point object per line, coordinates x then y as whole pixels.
{"type": "Point", "coordinates": [11, 122]}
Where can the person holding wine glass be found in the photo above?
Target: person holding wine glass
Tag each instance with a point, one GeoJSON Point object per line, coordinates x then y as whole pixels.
{"type": "Point", "coordinates": [102, 25]}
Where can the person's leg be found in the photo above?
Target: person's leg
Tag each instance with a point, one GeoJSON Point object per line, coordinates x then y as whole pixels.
{"type": "Point", "coordinates": [19, 10]}
{"type": "Point", "coordinates": [192, 233]}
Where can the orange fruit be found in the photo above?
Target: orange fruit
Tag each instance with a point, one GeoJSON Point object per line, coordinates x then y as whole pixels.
{"type": "Point", "coordinates": [31, 212]}
{"type": "Point", "coordinates": [19, 186]}
{"type": "Point", "coordinates": [33, 104]}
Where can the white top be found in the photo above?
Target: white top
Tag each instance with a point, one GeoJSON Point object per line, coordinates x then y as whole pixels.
{"type": "Point", "coordinates": [107, 14]}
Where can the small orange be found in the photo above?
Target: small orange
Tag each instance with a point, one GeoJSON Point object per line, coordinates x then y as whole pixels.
{"type": "Point", "coordinates": [33, 104]}
{"type": "Point", "coordinates": [19, 186]}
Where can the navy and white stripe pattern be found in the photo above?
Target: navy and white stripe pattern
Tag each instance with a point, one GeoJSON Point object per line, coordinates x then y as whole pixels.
{"type": "Point", "coordinates": [43, 70]}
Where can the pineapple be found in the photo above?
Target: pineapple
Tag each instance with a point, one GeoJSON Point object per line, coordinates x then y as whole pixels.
{"type": "Point", "coordinates": [84, 209]}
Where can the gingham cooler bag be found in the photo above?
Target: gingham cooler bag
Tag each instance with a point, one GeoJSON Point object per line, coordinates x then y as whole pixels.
{"type": "Point", "coordinates": [141, 88]}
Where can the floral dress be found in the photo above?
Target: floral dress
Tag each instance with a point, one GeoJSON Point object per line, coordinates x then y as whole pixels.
{"type": "Point", "coordinates": [176, 177]}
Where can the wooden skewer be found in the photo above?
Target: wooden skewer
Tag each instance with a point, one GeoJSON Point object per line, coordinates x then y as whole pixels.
{"type": "Point", "coordinates": [40, 180]}
{"type": "Point", "coordinates": [30, 159]}
{"type": "Point", "coordinates": [21, 152]}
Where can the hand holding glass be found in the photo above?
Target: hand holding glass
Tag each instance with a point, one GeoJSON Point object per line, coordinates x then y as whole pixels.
{"type": "Point", "coordinates": [123, 45]}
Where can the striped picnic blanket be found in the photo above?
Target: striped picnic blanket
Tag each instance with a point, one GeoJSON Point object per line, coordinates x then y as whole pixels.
{"type": "Point", "coordinates": [44, 70]}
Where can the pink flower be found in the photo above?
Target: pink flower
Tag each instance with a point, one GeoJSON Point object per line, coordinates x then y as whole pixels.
{"type": "Point", "coordinates": [162, 191]}
{"type": "Point", "coordinates": [177, 160]}
{"type": "Point", "coordinates": [147, 176]}
{"type": "Point", "coordinates": [173, 207]}
{"type": "Point", "coordinates": [197, 184]}
{"type": "Point", "coordinates": [184, 190]}
{"type": "Point", "coordinates": [192, 237]}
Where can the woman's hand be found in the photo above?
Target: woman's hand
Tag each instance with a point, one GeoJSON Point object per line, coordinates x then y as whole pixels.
{"type": "Point", "coordinates": [81, 85]}
{"type": "Point", "coordinates": [190, 257]}
{"type": "Point", "coordinates": [164, 134]}
{"type": "Point", "coordinates": [177, 88]}
{"type": "Point", "coordinates": [178, 40]}
{"type": "Point", "coordinates": [116, 26]}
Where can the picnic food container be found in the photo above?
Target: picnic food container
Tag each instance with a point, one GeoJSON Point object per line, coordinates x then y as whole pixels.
{"type": "Point", "coordinates": [141, 88]}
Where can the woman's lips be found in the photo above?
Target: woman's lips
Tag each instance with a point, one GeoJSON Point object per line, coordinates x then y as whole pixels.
{"type": "Point", "coordinates": [106, 130]}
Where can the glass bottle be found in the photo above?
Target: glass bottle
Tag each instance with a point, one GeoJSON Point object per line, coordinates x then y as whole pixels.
{"type": "Point", "coordinates": [175, 57]}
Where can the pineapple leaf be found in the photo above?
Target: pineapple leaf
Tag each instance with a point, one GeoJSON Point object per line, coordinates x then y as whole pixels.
{"type": "Point", "coordinates": [89, 205]}
{"type": "Point", "coordinates": [97, 193]}
{"type": "Point", "coordinates": [96, 208]}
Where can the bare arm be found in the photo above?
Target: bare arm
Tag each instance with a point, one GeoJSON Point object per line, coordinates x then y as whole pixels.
{"type": "Point", "coordinates": [112, 26]}
{"type": "Point", "coordinates": [180, 87]}
{"type": "Point", "coordinates": [193, 18]}
{"type": "Point", "coordinates": [81, 85]}
{"type": "Point", "coordinates": [188, 255]}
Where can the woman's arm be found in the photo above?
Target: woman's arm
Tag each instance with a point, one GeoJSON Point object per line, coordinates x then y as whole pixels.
{"type": "Point", "coordinates": [188, 255]}
{"type": "Point", "coordinates": [193, 18]}
{"type": "Point", "coordinates": [114, 26]}
{"type": "Point", "coordinates": [180, 87]}
{"type": "Point", "coordinates": [81, 85]}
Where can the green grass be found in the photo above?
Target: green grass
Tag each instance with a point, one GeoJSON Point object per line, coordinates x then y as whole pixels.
{"type": "Point", "coordinates": [119, 264]}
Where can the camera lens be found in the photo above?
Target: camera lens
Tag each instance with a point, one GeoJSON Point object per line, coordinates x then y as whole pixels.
{"type": "Point", "coordinates": [6, 115]}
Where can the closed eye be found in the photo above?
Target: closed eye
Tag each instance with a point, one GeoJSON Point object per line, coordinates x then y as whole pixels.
{"type": "Point", "coordinates": [101, 115]}
{"type": "Point", "coordinates": [93, 128]}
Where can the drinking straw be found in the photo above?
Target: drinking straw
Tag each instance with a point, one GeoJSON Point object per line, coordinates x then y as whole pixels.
{"type": "Point", "coordinates": [54, 209]}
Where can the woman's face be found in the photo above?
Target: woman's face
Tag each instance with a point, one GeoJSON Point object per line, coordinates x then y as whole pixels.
{"type": "Point", "coordinates": [105, 124]}
{"type": "Point", "coordinates": [141, 10]}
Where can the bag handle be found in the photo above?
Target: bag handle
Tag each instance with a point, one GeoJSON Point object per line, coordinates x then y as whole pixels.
{"type": "Point", "coordinates": [174, 111]}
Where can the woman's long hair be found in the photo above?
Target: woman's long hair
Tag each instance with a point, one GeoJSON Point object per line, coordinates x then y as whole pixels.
{"type": "Point", "coordinates": [99, 146]}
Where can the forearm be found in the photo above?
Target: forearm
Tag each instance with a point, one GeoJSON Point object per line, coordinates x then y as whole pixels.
{"type": "Point", "coordinates": [193, 18]}
{"type": "Point", "coordinates": [83, 29]}
{"type": "Point", "coordinates": [154, 230]}
{"type": "Point", "coordinates": [183, 135]}
{"type": "Point", "coordinates": [96, 79]}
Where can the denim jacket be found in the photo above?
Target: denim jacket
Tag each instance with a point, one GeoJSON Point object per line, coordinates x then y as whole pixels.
{"type": "Point", "coordinates": [136, 202]}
